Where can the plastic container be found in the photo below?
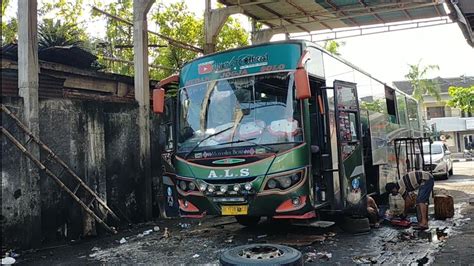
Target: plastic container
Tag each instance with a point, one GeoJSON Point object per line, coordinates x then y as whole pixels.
{"type": "Point", "coordinates": [396, 204]}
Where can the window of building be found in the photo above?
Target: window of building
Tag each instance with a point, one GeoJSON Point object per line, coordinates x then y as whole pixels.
{"type": "Point", "coordinates": [433, 112]}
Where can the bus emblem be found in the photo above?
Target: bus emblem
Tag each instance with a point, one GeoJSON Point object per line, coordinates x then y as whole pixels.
{"type": "Point", "coordinates": [228, 161]}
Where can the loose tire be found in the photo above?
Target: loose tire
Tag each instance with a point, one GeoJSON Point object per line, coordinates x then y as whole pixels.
{"type": "Point", "coordinates": [249, 221]}
{"type": "Point", "coordinates": [355, 225]}
{"type": "Point", "coordinates": [262, 254]}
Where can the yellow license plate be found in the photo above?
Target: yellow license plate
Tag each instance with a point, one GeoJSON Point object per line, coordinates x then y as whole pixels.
{"type": "Point", "coordinates": [235, 210]}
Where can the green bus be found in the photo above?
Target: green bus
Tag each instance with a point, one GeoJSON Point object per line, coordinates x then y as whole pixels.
{"type": "Point", "coordinates": [281, 130]}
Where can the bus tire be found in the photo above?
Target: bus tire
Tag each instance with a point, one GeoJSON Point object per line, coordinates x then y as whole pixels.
{"type": "Point", "coordinates": [261, 254]}
{"type": "Point", "coordinates": [355, 225]}
{"type": "Point", "coordinates": [249, 221]}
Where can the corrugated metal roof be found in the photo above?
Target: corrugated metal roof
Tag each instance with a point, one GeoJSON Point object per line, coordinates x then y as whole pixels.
{"type": "Point", "coordinates": [66, 55]}
{"type": "Point", "coordinates": [312, 15]}
{"type": "Point", "coordinates": [49, 87]}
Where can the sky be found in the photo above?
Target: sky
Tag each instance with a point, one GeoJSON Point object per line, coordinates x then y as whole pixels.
{"type": "Point", "coordinates": [385, 56]}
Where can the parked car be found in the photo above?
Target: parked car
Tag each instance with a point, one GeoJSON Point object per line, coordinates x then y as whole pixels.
{"type": "Point", "coordinates": [440, 163]}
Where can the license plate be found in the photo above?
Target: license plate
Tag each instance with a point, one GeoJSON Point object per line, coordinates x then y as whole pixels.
{"type": "Point", "coordinates": [235, 210]}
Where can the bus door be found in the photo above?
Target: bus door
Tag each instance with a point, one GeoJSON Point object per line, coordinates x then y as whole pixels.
{"type": "Point", "coordinates": [350, 149]}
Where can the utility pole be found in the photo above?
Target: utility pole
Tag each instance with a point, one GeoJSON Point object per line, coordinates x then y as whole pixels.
{"type": "Point", "coordinates": [142, 96]}
{"type": "Point", "coordinates": [28, 84]}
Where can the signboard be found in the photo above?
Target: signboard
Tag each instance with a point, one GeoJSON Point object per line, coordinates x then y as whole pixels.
{"type": "Point", "coordinates": [240, 62]}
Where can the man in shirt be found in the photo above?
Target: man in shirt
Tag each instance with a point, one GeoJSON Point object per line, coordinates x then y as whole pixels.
{"type": "Point", "coordinates": [415, 180]}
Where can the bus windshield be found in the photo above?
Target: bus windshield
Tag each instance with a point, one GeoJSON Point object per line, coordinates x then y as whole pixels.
{"type": "Point", "coordinates": [243, 111]}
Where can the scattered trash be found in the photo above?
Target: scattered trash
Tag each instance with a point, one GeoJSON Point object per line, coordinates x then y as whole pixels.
{"type": "Point", "coordinates": [423, 260]}
{"type": "Point", "coordinates": [300, 240]}
{"type": "Point", "coordinates": [364, 260]}
{"type": "Point", "coordinates": [166, 234]}
{"type": "Point", "coordinates": [195, 256]}
{"type": "Point", "coordinates": [324, 255]}
{"type": "Point", "coordinates": [250, 240]}
{"type": "Point", "coordinates": [184, 225]}
{"type": "Point", "coordinates": [147, 232]}
{"type": "Point", "coordinates": [13, 254]}
{"type": "Point", "coordinates": [311, 256]}
{"type": "Point", "coordinates": [156, 228]}
{"type": "Point", "coordinates": [471, 201]}
{"type": "Point", "coordinates": [8, 261]}
{"type": "Point", "coordinates": [230, 239]}
{"type": "Point", "coordinates": [330, 234]}
{"type": "Point", "coordinates": [95, 249]}
{"type": "Point", "coordinates": [123, 240]}
{"type": "Point", "coordinates": [140, 235]}
{"type": "Point", "coordinates": [261, 236]}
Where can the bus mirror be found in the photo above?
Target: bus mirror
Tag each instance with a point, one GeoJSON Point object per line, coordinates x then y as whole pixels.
{"type": "Point", "coordinates": [158, 100]}
{"type": "Point", "coordinates": [302, 84]}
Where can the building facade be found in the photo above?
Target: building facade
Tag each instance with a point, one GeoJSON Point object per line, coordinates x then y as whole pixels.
{"type": "Point", "coordinates": [451, 124]}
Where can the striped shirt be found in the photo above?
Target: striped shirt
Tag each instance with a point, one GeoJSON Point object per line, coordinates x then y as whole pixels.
{"type": "Point", "coordinates": [412, 181]}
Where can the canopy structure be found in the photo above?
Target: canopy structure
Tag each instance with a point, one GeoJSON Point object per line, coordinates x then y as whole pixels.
{"type": "Point", "coordinates": [462, 11]}
{"type": "Point", "coordinates": [296, 16]}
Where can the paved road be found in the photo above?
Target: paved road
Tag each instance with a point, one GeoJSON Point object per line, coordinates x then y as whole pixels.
{"type": "Point", "coordinates": [202, 242]}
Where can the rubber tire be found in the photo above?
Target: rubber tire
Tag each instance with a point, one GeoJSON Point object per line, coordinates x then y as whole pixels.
{"type": "Point", "coordinates": [451, 171]}
{"type": "Point", "coordinates": [355, 225]}
{"type": "Point", "coordinates": [446, 175]}
{"type": "Point", "coordinates": [290, 256]}
{"type": "Point", "coordinates": [248, 221]}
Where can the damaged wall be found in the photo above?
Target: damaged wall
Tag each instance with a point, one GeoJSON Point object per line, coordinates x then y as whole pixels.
{"type": "Point", "coordinates": [99, 141]}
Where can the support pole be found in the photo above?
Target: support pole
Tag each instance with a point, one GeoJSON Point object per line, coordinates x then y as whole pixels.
{"type": "Point", "coordinates": [142, 96]}
{"type": "Point", "coordinates": [214, 19]}
{"type": "Point", "coordinates": [28, 69]}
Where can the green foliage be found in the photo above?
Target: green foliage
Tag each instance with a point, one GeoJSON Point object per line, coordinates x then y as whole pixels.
{"type": "Point", "coordinates": [9, 26]}
{"type": "Point", "coordinates": [117, 33]}
{"type": "Point", "coordinates": [178, 22]}
{"type": "Point", "coordinates": [462, 98]}
{"type": "Point", "coordinates": [57, 33]}
{"type": "Point", "coordinates": [374, 106]}
{"type": "Point", "coordinates": [420, 84]}
{"type": "Point", "coordinates": [333, 46]}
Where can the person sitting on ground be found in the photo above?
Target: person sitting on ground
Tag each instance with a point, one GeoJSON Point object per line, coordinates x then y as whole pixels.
{"type": "Point", "coordinates": [421, 180]}
{"type": "Point", "coordinates": [373, 212]}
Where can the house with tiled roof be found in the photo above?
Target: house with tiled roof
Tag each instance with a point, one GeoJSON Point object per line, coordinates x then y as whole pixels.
{"type": "Point", "coordinates": [456, 126]}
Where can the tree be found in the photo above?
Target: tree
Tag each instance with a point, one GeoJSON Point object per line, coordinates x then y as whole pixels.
{"type": "Point", "coordinates": [57, 33]}
{"type": "Point", "coordinates": [421, 85]}
{"type": "Point", "coordinates": [462, 98]}
{"type": "Point", "coordinates": [178, 22]}
{"type": "Point", "coordinates": [374, 106]}
{"type": "Point", "coordinates": [333, 46]}
{"type": "Point", "coordinates": [9, 25]}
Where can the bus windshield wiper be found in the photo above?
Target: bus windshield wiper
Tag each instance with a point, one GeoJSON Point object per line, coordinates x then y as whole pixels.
{"type": "Point", "coordinates": [204, 139]}
{"type": "Point", "coordinates": [251, 142]}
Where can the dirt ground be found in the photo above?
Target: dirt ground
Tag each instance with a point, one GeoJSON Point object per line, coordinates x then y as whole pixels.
{"type": "Point", "coordinates": [180, 241]}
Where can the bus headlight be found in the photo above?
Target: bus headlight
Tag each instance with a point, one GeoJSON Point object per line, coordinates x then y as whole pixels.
{"type": "Point", "coordinates": [223, 189]}
{"type": "Point", "coordinates": [192, 186]}
{"type": "Point", "coordinates": [236, 187]}
{"type": "Point", "coordinates": [211, 188]}
{"type": "Point", "coordinates": [284, 181]}
{"type": "Point", "coordinates": [202, 187]}
{"type": "Point", "coordinates": [248, 186]}
{"type": "Point", "coordinates": [182, 185]}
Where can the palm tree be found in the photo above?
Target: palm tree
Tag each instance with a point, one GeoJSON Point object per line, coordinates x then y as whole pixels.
{"type": "Point", "coordinates": [421, 85]}
{"type": "Point", "coordinates": [51, 34]}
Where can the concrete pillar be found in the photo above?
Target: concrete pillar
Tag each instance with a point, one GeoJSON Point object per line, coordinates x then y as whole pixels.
{"type": "Point", "coordinates": [28, 69]}
{"type": "Point", "coordinates": [142, 96]}
{"type": "Point", "coordinates": [214, 19]}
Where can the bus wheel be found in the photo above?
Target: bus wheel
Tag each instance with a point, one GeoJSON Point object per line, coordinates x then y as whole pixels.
{"type": "Point", "coordinates": [248, 221]}
{"type": "Point", "coordinates": [261, 254]}
{"type": "Point", "coordinates": [355, 225]}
